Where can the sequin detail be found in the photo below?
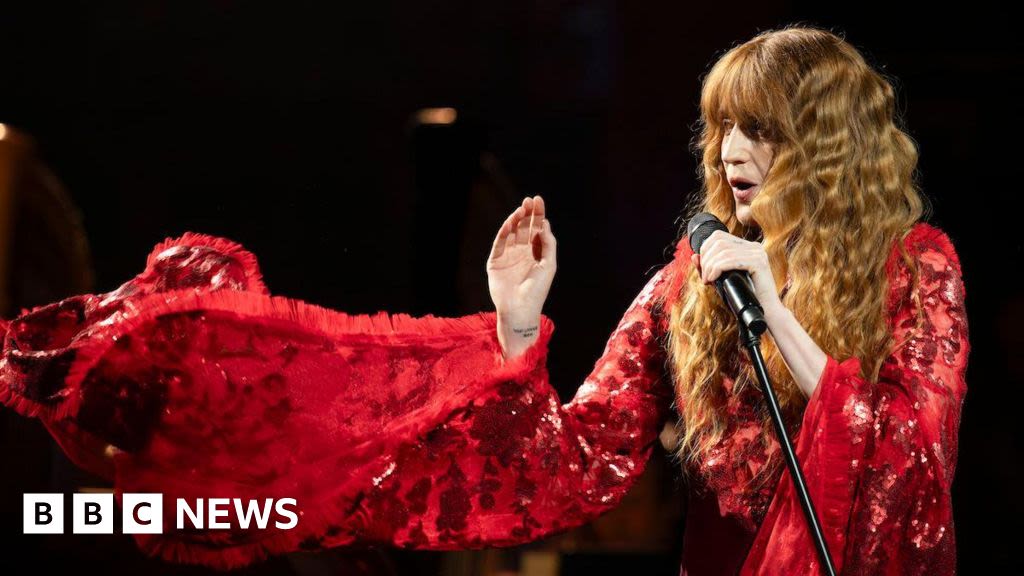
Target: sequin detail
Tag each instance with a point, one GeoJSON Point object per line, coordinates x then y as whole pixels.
{"type": "Point", "coordinates": [415, 432]}
{"type": "Point", "coordinates": [880, 458]}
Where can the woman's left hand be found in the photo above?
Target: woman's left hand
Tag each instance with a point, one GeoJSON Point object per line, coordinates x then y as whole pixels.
{"type": "Point", "coordinates": [722, 252]}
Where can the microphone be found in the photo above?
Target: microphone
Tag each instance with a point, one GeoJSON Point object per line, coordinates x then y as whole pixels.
{"type": "Point", "coordinates": [737, 289]}
{"type": "Point", "coordinates": [735, 286]}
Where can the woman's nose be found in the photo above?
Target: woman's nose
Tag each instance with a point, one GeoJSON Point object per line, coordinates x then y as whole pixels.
{"type": "Point", "coordinates": [735, 147]}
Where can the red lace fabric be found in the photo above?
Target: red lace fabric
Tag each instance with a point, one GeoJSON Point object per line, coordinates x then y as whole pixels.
{"type": "Point", "coordinates": [879, 459]}
{"type": "Point", "coordinates": [415, 432]}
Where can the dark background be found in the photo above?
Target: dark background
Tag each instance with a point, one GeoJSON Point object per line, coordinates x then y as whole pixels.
{"type": "Point", "coordinates": [287, 127]}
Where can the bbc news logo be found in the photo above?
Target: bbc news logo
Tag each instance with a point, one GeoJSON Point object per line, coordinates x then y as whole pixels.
{"type": "Point", "coordinates": [143, 513]}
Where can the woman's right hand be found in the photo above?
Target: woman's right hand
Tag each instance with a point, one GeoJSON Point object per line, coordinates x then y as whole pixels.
{"type": "Point", "coordinates": [520, 270]}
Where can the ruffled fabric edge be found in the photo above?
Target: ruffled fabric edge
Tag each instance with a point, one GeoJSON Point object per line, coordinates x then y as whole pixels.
{"type": "Point", "coordinates": [227, 247]}
{"type": "Point", "coordinates": [383, 327]}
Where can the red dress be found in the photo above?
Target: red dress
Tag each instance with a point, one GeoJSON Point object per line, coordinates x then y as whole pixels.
{"type": "Point", "coordinates": [415, 432]}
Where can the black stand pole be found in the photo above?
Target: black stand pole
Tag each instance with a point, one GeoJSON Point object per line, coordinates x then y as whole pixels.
{"type": "Point", "coordinates": [753, 343]}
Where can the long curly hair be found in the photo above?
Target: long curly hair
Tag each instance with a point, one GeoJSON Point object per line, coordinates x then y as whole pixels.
{"type": "Point", "coordinates": [841, 190]}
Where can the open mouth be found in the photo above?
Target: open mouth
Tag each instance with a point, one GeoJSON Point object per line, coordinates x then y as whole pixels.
{"type": "Point", "coordinates": [745, 191]}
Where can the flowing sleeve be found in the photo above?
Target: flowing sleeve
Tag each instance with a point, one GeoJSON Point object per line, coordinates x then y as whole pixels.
{"type": "Point", "coordinates": [517, 464]}
{"type": "Point", "coordinates": [383, 428]}
{"type": "Point", "coordinates": [879, 459]}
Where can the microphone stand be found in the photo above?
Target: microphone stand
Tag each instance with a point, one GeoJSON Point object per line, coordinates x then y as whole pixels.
{"type": "Point", "coordinates": [752, 340]}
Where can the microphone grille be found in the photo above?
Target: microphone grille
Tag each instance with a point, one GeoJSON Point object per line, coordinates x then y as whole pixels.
{"type": "Point", "coordinates": [700, 227]}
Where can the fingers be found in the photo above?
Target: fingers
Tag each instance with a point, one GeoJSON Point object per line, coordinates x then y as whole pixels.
{"type": "Point", "coordinates": [524, 221]}
{"type": "Point", "coordinates": [712, 263]}
{"type": "Point", "coordinates": [711, 241]}
{"type": "Point", "coordinates": [712, 271]}
{"type": "Point", "coordinates": [721, 240]}
{"type": "Point", "coordinates": [538, 221]}
{"type": "Point", "coordinates": [501, 239]}
{"type": "Point", "coordinates": [529, 221]}
{"type": "Point", "coordinates": [540, 228]}
{"type": "Point", "coordinates": [548, 243]}
{"type": "Point", "coordinates": [722, 252]}
{"type": "Point", "coordinates": [538, 207]}
{"type": "Point", "coordinates": [715, 248]}
{"type": "Point", "coordinates": [498, 245]}
{"type": "Point", "coordinates": [521, 226]}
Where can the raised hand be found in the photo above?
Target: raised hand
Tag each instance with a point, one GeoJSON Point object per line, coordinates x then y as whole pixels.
{"type": "Point", "coordinates": [520, 270]}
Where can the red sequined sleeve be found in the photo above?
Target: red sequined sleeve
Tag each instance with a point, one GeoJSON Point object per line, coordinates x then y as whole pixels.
{"type": "Point", "coordinates": [383, 428]}
{"type": "Point", "coordinates": [879, 459]}
{"type": "Point", "coordinates": [516, 464]}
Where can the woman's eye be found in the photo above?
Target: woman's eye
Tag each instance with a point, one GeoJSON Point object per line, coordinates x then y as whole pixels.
{"type": "Point", "coordinates": [755, 132]}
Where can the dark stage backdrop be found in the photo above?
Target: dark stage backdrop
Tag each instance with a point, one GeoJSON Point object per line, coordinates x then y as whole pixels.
{"type": "Point", "coordinates": [290, 128]}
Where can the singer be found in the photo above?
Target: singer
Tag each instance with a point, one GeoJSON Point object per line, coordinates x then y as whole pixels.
{"type": "Point", "coordinates": [444, 433]}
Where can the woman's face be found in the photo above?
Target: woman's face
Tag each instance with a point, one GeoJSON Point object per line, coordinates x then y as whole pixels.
{"type": "Point", "coordinates": [746, 158]}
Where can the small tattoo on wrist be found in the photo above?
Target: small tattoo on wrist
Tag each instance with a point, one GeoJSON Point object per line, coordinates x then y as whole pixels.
{"type": "Point", "coordinates": [526, 332]}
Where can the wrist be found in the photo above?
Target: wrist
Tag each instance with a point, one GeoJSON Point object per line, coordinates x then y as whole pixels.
{"type": "Point", "coordinates": [775, 312]}
{"type": "Point", "coordinates": [517, 333]}
{"type": "Point", "coordinates": [517, 315]}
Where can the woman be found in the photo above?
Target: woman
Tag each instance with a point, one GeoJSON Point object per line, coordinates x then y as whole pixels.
{"type": "Point", "coordinates": [800, 152]}
{"type": "Point", "coordinates": [444, 433]}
